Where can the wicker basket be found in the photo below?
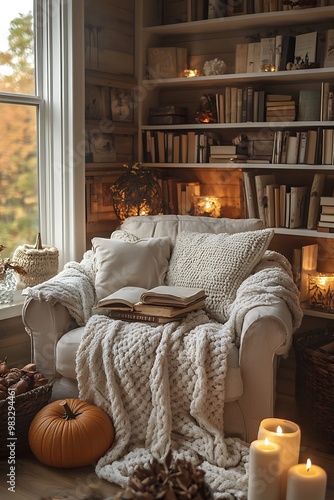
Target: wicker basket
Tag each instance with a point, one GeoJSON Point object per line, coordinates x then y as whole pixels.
{"type": "Point", "coordinates": [26, 406]}
{"type": "Point", "coordinates": [315, 381]}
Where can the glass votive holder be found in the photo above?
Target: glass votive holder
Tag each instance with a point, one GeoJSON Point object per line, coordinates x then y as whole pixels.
{"type": "Point", "coordinates": [208, 206]}
{"type": "Point", "coordinates": [321, 291]}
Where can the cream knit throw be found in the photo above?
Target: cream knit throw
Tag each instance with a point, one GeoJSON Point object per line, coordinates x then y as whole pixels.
{"type": "Point", "coordinates": [164, 387]}
{"type": "Point", "coordinates": [73, 287]}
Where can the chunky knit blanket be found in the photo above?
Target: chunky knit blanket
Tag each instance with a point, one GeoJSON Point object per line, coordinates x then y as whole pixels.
{"type": "Point", "coordinates": [164, 386]}
{"type": "Point", "coordinates": [73, 287]}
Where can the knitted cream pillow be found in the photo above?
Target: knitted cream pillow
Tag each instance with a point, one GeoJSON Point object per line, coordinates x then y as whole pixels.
{"type": "Point", "coordinates": [119, 263]}
{"type": "Point", "coordinates": [219, 263]}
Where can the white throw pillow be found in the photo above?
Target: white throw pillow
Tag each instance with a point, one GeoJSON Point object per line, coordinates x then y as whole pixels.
{"type": "Point", "coordinates": [119, 263]}
{"type": "Point", "coordinates": [219, 263]}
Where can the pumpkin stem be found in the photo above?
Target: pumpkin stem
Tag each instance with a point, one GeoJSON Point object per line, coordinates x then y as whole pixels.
{"type": "Point", "coordinates": [69, 415]}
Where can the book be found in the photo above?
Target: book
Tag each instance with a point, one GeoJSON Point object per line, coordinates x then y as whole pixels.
{"type": "Point", "coordinates": [327, 200]}
{"type": "Point", "coordinates": [166, 62]}
{"type": "Point", "coordinates": [137, 316]}
{"type": "Point", "coordinates": [306, 48]}
{"type": "Point", "coordinates": [278, 51]}
{"type": "Point", "coordinates": [278, 97]}
{"type": "Point", "coordinates": [241, 63]}
{"type": "Point", "coordinates": [317, 188]}
{"type": "Point", "coordinates": [327, 209]}
{"type": "Point", "coordinates": [311, 146]}
{"type": "Point", "coordinates": [326, 217]}
{"type": "Point", "coordinates": [253, 57]}
{"type": "Point", "coordinates": [267, 54]}
{"type": "Point", "coordinates": [329, 49]}
{"type": "Point", "coordinates": [261, 181]}
{"type": "Point", "coordinates": [287, 52]}
{"type": "Point", "coordinates": [298, 206]}
{"type": "Point", "coordinates": [302, 147]}
{"type": "Point", "coordinates": [309, 105]}
{"type": "Point", "coordinates": [250, 194]}
{"type": "Point", "coordinates": [326, 224]}
{"type": "Point", "coordinates": [132, 298]}
{"type": "Point", "coordinates": [327, 146]}
{"type": "Point", "coordinates": [228, 149]}
{"type": "Point", "coordinates": [292, 149]}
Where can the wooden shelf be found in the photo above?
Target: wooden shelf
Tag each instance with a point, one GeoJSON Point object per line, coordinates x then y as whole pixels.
{"type": "Point", "coordinates": [317, 313]}
{"type": "Point", "coordinates": [243, 125]}
{"type": "Point", "coordinates": [272, 77]}
{"type": "Point", "coordinates": [248, 21]}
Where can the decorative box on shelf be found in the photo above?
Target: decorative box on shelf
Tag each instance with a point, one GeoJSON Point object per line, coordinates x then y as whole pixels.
{"type": "Point", "coordinates": [321, 291]}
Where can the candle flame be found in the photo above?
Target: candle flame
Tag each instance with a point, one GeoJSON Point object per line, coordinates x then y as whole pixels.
{"type": "Point", "coordinates": [279, 430]}
{"type": "Point", "coordinates": [266, 441]}
{"type": "Point", "coordinates": [308, 464]}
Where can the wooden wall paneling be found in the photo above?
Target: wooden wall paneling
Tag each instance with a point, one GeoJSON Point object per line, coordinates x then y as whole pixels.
{"type": "Point", "coordinates": [109, 36]}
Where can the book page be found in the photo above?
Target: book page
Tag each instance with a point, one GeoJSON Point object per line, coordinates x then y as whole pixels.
{"type": "Point", "coordinates": [124, 298]}
{"type": "Point", "coordinates": [173, 295]}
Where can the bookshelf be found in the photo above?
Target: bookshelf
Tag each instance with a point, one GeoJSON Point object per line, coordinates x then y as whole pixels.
{"type": "Point", "coordinates": [217, 38]}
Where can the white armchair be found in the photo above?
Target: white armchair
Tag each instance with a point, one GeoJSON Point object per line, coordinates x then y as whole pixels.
{"type": "Point", "coordinates": [265, 330]}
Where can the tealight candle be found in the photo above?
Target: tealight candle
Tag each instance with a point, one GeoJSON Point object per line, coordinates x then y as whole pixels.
{"type": "Point", "coordinates": [287, 435]}
{"type": "Point", "coordinates": [307, 482]}
{"type": "Point", "coordinates": [264, 482]}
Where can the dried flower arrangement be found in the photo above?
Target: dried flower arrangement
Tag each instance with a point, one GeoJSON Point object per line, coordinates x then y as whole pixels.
{"type": "Point", "coordinates": [6, 263]}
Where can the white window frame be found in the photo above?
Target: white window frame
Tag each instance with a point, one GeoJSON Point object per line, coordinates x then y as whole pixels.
{"type": "Point", "coordinates": [60, 77]}
{"type": "Point", "coordinates": [61, 156]}
{"type": "Point", "coordinates": [60, 46]}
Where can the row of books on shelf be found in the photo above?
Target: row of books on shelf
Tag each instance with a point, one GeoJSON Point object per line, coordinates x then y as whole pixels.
{"type": "Point", "coordinates": [311, 147]}
{"type": "Point", "coordinates": [178, 196]}
{"type": "Point", "coordinates": [182, 11]}
{"type": "Point", "coordinates": [283, 52]}
{"type": "Point", "coordinates": [283, 205]}
{"type": "Point", "coordinates": [248, 104]}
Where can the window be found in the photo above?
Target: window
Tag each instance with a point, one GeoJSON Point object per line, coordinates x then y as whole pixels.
{"type": "Point", "coordinates": [19, 111]}
{"type": "Point", "coordinates": [42, 137]}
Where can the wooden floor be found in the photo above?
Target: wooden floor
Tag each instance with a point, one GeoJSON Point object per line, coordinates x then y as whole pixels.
{"type": "Point", "coordinates": [35, 481]}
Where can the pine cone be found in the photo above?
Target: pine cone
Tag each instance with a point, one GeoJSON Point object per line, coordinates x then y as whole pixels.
{"type": "Point", "coordinates": [169, 481]}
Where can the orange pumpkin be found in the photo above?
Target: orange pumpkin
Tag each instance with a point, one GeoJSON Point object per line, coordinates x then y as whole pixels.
{"type": "Point", "coordinates": [71, 433]}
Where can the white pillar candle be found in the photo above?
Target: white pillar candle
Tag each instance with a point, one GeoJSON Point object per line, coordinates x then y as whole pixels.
{"type": "Point", "coordinates": [264, 482]}
{"type": "Point", "coordinates": [287, 435]}
{"type": "Point", "coordinates": [307, 482]}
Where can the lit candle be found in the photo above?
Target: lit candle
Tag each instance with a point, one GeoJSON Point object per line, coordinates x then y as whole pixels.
{"type": "Point", "coordinates": [307, 482]}
{"type": "Point", "coordinates": [287, 435]}
{"type": "Point", "coordinates": [264, 482]}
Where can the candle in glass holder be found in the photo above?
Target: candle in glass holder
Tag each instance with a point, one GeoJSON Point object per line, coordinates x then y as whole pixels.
{"type": "Point", "coordinates": [321, 291]}
{"type": "Point", "coordinates": [287, 435]}
{"type": "Point", "coordinates": [208, 206]}
{"type": "Point", "coordinates": [307, 482]}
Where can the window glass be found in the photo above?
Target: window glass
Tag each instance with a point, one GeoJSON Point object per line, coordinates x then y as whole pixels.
{"type": "Point", "coordinates": [19, 111]}
{"type": "Point", "coordinates": [17, 48]}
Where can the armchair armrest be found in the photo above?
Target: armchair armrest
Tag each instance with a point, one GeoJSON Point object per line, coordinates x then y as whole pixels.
{"type": "Point", "coordinates": [266, 334]}
{"type": "Point", "coordinates": [46, 323]}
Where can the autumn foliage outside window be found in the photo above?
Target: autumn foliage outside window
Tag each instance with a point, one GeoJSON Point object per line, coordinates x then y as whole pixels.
{"type": "Point", "coordinates": [19, 111]}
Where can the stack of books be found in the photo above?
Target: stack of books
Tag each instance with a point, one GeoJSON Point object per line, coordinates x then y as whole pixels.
{"type": "Point", "coordinates": [161, 304]}
{"type": "Point", "coordinates": [227, 154]}
{"type": "Point", "coordinates": [280, 108]}
{"type": "Point", "coordinates": [326, 222]}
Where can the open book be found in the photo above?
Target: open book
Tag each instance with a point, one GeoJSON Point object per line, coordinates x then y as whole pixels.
{"type": "Point", "coordinates": [167, 301]}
